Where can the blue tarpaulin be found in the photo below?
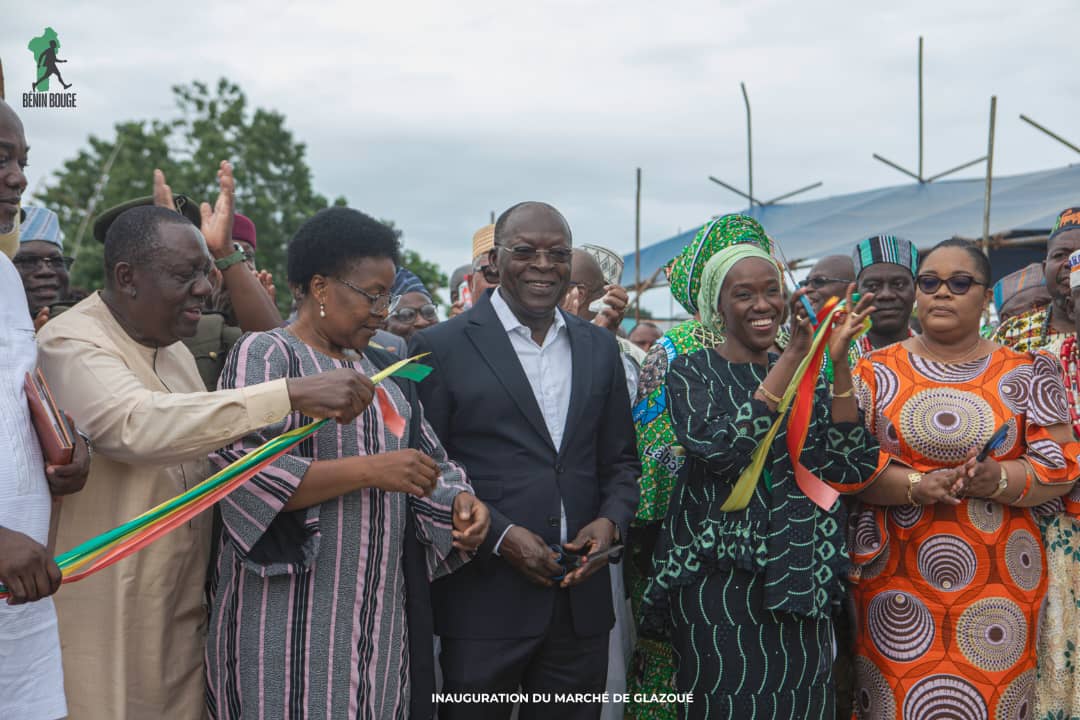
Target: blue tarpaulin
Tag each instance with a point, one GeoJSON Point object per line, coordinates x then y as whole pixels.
{"type": "Point", "coordinates": [924, 214]}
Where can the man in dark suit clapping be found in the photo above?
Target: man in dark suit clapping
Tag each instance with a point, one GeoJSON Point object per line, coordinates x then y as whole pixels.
{"type": "Point", "coordinates": [533, 402]}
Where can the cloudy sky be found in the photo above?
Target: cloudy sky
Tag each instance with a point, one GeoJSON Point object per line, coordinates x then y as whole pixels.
{"type": "Point", "coordinates": [436, 113]}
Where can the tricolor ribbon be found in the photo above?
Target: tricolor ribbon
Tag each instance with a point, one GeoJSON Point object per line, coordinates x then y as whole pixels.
{"type": "Point", "coordinates": [110, 547]}
{"type": "Point", "coordinates": [800, 391]}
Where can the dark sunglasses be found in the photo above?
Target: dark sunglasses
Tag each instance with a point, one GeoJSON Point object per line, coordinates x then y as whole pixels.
{"type": "Point", "coordinates": [819, 282]}
{"type": "Point", "coordinates": [957, 284]}
{"type": "Point", "coordinates": [30, 263]}
{"type": "Point", "coordinates": [526, 253]}
{"type": "Point", "coordinates": [408, 315]}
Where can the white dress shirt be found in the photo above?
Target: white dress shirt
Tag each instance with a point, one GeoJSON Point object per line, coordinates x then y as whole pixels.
{"type": "Point", "coordinates": [549, 369]}
{"type": "Point", "coordinates": [31, 677]}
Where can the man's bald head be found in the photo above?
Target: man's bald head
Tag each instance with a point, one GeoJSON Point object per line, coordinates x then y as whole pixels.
{"type": "Point", "coordinates": [829, 277]}
{"type": "Point", "coordinates": [13, 157]}
{"type": "Point", "coordinates": [586, 279]}
{"type": "Point", "coordinates": [536, 212]}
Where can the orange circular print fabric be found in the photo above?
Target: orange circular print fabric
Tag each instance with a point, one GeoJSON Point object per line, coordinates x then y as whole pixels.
{"type": "Point", "coordinates": [947, 597]}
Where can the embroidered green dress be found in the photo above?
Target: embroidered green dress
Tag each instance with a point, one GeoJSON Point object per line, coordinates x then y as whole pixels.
{"type": "Point", "coordinates": [748, 595]}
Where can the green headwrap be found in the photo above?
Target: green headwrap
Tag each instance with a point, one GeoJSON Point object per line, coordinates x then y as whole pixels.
{"type": "Point", "coordinates": [685, 270]}
{"type": "Point", "coordinates": [712, 278]}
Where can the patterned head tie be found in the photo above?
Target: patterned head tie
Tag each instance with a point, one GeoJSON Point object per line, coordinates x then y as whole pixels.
{"type": "Point", "coordinates": [1066, 221]}
{"type": "Point", "coordinates": [40, 224]}
{"type": "Point", "coordinates": [406, 282]}
{"type": "Point", "coordinates": [885, 249]}
{"type": "Point", "coordinates": [685, 270]}
{"type": "Point", "coordinates": [712, 279]}
{"type": "Point", "coordinates": [1023, 279]}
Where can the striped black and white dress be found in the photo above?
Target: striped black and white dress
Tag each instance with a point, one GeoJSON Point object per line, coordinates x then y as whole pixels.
{"type": "Point", "coordinates": [308, 607]}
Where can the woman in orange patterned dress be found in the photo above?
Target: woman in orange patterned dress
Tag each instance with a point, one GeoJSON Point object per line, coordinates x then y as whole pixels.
{"type": "Point", "coordinates": [950, 570]}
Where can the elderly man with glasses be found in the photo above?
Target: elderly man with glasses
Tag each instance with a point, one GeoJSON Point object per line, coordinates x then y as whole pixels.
{"type": "Point", "coordinates": [828, 278]}
{"type": "Point", "coordinates": [414, 311]}
{"type": "Point", "coordinates": [41, 262]}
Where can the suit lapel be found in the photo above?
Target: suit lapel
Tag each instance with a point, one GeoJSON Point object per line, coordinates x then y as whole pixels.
{"type": "Point", "coordinates": [581, 352]}
{"type": "Point", "coordinates": [489, 336]}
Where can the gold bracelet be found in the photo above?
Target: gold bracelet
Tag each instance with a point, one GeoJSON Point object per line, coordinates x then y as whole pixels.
{"type": "Point", "coordinates": [768, 395]}
{"type": "Point", "coordinates": [846, 394]}
{"type": "Point", "coordinates": [1003, 483]}
{"type": "Point", "coordinates": [913, 479]}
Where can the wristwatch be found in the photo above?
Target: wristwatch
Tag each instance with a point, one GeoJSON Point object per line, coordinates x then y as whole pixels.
{"type": "Point", "coordinates": [913, 479]}
{"type": "Point", "coordinates": [229, 260]}
{"type": "Point", "coordinates": [86, 439]}
{"type": "Point", "coordinates": [1003, 483]}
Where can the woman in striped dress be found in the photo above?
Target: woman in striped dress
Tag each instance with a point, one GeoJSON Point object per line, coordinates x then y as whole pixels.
{"type": "Point", "coordinates": [308, 614]}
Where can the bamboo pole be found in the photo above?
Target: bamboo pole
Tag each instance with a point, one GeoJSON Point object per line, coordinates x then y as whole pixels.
{"type": "Point", "coordinates": [920, 111]}
{"type": "Point", "coordinates": [637, 248]}
{"type": "Point", "coordinates": [749, 146]}
{"type": "Point", "coordinates": [989, 177]}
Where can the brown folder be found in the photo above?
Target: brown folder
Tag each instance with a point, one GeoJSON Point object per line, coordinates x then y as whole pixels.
{"type": "Point", "coordinates": [56, 436]}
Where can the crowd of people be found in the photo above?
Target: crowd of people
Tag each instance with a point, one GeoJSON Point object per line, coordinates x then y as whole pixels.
{"type": "Point", "coordinates": [560, 506]}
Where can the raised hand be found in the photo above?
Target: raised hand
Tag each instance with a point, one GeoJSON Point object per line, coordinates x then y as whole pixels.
{"type": "Point", "coordinates": [163, 196]}
{"type": "Point", "coordinates": [266, 279]}
{"type": "Point", "coordinates": [615, 301]}
{"type": "Point", "coordinates": [802, 332]}
{"type": "Point", "coordinates": [41, 318]}
{"type": "Point", "coordinates": [217, 221]}
{"type": "Point", "coordinates": [849, 322]}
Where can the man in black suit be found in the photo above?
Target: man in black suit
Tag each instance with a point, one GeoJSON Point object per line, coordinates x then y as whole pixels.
{"type": "Point", "coordinates": [533, 402]}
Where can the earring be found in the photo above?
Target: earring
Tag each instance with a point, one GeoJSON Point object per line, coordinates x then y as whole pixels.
{"type": "Point", "coordinates": [132, 293]}
{"type": "Point", "coordinates": [322, 310]}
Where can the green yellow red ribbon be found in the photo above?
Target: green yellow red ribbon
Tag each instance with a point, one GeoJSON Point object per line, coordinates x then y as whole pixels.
{"type": "Point", "coordinates": [800, 391]}
{"type": "Point", "coordinates": [110, 547]}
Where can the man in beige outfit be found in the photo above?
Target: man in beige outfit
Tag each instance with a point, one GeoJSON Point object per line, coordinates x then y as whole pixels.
{"type": "Point", "coordinates": [132, 636]}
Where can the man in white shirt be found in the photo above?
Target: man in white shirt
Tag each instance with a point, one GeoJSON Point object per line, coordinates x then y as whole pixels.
{"type": "Point", "coordinates": [31, 678]}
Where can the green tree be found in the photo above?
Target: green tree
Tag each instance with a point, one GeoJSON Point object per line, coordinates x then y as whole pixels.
{"type": "Point", "coordinates": [273, 178]}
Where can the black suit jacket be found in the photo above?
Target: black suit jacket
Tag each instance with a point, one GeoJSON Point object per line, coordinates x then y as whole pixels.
{"type": "Point", "coordinates": [482, 407]}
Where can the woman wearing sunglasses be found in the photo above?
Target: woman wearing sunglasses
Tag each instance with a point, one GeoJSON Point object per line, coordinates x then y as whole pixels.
{"type": "Point", "coordinates": [414, 311]}
{"type": "Point", "coordinates": [949, 563]}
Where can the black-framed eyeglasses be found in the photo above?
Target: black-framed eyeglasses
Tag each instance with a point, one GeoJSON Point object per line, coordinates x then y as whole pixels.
{"type": "Point", "coordinates": [957, 284]}
{"type": "Point", "coordinates": [527, 253]}
{"type": "Point", "coordinates": [31, 263]}
{"type": "Point", "coordinates": [819, 282]}
{"type": "Point", "coordinates": [408, 315]}
{"type": "Point", "coordinates": [381, 304]}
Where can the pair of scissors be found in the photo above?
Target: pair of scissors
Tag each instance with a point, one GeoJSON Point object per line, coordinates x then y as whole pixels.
{"type": "Point", "coordinates": [571, 561]}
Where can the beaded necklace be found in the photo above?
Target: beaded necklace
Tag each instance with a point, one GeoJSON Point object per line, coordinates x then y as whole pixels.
{"type": "Point", "coordinates": [1070, 363]}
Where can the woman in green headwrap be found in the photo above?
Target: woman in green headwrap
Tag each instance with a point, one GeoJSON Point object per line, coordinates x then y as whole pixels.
{"type": "Point", "coordinates": [747, 593]}
{"type": "Point", "coordinates": [652, 670]}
